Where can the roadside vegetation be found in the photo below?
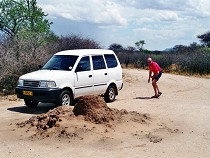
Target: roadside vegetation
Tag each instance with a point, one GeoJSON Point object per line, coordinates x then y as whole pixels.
{"type": "Point", "coordinates": [26, 42]}
{"type": "Point", "coordinates": [192, 60]}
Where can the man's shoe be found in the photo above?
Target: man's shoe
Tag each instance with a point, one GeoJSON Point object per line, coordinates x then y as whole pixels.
{"type": "Point", "coordinates": [155, 96]}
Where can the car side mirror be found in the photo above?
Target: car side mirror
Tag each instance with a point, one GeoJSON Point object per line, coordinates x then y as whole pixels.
{"type": "Point", "coordinates": [70, 67]}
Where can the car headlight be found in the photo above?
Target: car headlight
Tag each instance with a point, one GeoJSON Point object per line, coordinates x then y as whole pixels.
{"type": "Point", "coordinates": [49, 84]}
{"type": "Point", "coordinates": [20, 82]}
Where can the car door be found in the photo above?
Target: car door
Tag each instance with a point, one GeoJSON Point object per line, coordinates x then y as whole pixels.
{"type": "Point", "coordinates": [100, 74]}
{"type": "Point", "coordinates": [83, 77]}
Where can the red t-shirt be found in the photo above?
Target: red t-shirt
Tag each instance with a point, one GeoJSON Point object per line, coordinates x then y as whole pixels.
{"type": "Point", "coordinates": [154, 67]}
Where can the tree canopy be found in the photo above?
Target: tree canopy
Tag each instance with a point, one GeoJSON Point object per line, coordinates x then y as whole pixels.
{"type": "Point", "coordinates": [20, 15]}
{"type": "Point", "coordinates": [205, 39]}
{"type": "Point", "coordinates": [140, 44]}
{"type": "Point", "coordinates": [116, 47]}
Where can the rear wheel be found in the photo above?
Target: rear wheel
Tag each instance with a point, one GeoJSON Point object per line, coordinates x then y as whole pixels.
{"type": "Point", "coordinates": [110, 93]}
{"type": "Point", "coordinates": [65, 98]}
{"type": "Point", "coordinates": [31, 103]}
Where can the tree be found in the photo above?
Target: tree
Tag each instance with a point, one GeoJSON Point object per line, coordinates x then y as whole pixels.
{"type": "Point", "coordinates": [140, 44]}
{"type": "Point", "coordinates": [25, 24]}
{"type": "Point", "coordinates": [205, 39]}
{"type": "Point", "coordinates": [116, 47]}
{"type": "Point", "coordinates": [195, 45]}
{"type": "Point", "coordinates": [131, 49]}
{"type": "Point", "coordinates": [28, 42]}
{"type": "Point", "coordinates": [22, 15]}
{"type": "Point", "coordinates": [76, 42]}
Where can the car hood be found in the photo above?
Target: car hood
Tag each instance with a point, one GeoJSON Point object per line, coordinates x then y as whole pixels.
{"type": "Point", "coordinates": [48, 75]}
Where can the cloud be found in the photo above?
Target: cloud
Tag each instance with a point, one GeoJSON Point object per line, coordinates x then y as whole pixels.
{"type": "Point", "coordinates": [163, 36]}
{"type": "Point", "coordinates": [158, 4]}
{"type": "Point", "coordinates": [159, 22]}
{"type": "Point", "coordinates": [169, 10]}
{"type": "Point", "coordinates": [99, 12]}
{"type": "Point", "coordinates": [167, 16]}
{"type": "Point", "coordinates": [199, 9]}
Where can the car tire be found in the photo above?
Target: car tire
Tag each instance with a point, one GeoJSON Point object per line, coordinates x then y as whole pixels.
{"type": "Point", "coordinates": [65, 98]}
{"type": "Point", "coordinates": [110, 94]}
{"type": "Point", "coordinates": [31, 103]}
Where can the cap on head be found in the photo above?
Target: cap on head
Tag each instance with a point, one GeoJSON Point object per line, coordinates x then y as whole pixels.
{"type": "Point", "coordinates": [149, 59]}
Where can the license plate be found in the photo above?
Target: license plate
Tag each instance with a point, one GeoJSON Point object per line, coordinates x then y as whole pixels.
{"type": "Point", "coordinates": [30, 93]}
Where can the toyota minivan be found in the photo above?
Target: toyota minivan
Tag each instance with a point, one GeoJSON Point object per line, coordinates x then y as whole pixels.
{"type": "Point", "coordinates": [70, 74]}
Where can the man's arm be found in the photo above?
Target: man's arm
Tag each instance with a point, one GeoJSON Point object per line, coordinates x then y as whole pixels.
{"type": "Point", "coordinates": [150, 73]}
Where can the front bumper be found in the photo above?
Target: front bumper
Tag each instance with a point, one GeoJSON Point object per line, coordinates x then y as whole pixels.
{"type": "Point", "coordinates": [39, 94]}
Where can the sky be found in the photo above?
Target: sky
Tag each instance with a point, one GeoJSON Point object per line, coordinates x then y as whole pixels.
{"type": "Point", "coordinates": [161, 24]}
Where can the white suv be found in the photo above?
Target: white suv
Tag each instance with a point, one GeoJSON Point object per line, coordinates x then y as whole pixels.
{"type": "Point", "coordinates": [70, 74]}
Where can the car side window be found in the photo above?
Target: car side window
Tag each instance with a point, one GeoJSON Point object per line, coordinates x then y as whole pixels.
{"type": "Point", "coordinates": [84, 64]}
{"type": "Point", "coordinates": [98, 62]}
{"type": "Point", "coordinates": [110, 60]}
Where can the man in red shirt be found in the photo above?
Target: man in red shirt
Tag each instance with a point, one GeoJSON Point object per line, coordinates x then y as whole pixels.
{"type": "Point", "coordinates": [156, 70]}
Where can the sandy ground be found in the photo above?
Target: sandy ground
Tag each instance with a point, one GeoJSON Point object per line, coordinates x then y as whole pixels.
{"type": "Point", "coordinates": [178, 124]}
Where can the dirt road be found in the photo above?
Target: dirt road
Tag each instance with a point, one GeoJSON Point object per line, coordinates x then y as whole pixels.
{"type": "Point", "coordinates": [178, 125]}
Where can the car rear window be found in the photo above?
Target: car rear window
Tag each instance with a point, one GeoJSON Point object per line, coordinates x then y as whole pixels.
{"type": "Point", "coordinates": [110, 60]}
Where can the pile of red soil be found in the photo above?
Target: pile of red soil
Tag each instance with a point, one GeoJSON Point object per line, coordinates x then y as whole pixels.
{"type": "Point", "coordinates": [94, 109]}
{"type": "Point", "coordinates": [65, 122]}
{"type": "Point", "coordinates": [48, 120]}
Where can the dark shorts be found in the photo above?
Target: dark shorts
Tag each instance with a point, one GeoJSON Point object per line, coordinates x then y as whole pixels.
{"type": "Point", "coordinates": [158, 76]}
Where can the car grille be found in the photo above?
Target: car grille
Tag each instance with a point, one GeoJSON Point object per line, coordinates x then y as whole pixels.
{"type": "Point", "coordinates": [29, 83]}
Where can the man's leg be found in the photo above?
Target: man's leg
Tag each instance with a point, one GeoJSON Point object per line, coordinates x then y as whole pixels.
{"type": "Point", "coordinates": [159, 75]}
{"type": "Point", "coordinates": [155, 87]}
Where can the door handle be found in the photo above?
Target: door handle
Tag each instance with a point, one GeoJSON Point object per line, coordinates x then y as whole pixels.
{"type": "Point", "coordinates": [90, 76]}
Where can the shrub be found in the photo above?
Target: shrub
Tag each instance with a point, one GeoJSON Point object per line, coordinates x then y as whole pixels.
{"type": "Point", "coordinates": [23, 56]}
{"type": "Point", "coordinates": [76, 42]}
{"type": "Point", "coordinates": [9, 83]}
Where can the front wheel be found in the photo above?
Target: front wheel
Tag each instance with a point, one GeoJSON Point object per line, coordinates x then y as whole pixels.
{"type": "Point", "coordinates": [110, 94]}
{"type": "Point", "coordinates": [31, 103]}
{"type": "Point", "coordinates": [65, 98]}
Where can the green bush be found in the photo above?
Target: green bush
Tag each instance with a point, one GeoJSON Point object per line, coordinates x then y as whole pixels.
{"type": "Point", "coordinates": [9, 83]}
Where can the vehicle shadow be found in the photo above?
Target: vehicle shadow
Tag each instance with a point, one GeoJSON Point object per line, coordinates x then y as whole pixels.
{"type": "Point", "coordinates": [41, 108]}
{"type": "Point", "coordinates": [143, 98]}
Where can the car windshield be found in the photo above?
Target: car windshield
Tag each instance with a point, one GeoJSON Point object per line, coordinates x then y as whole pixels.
{"type": "Point", "coordinates": [60, 62]}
